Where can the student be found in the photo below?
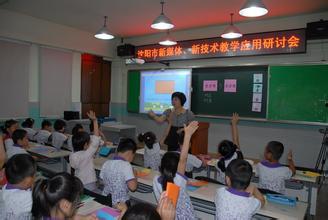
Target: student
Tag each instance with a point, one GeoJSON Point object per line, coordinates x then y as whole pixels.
{"type": "Point", "coordinates": [58, 137]}
{"type": "Point", "coordinates": [103, 140]}
{"type": "Point", "coordinates": [27, 125]}
{"type": "Point", "coordinates": [20, 143]}
{"type": "Point", "coordinates": [192, 160]}
{"type": "Point", "coordinates": [118, 175]}
{"type": "Point", "coordinates": [85, 146]}
{"type": "Point", "coordinates": [172, 170]}
{"type": "Point", "coordinates": [16, 195]}
{"type": "Point", "coordinates": [58, 198]}
{"type": "Point", "coordinates": [8, 129]}
{"type": "Point", "coordinates": [142, 211]}
{"type": "Point", "coordinates": [77, 128]}
{"type": "Point", "coordinates": [272, 174]}
{"type": "Point", "coordinates": [229, 150]}
{"type": "Point", "coordinates": [44, 133]}
{"type": "Point", "coordinates": [240, 201]}
{"type": "Point", "coordinates": [152, 157]}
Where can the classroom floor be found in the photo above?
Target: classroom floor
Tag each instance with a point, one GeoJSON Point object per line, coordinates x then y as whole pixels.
{"type": "Point", "coordinates": [322, 203]}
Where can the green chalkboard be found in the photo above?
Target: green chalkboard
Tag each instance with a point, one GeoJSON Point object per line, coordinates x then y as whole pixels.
{"type": "Point", "coordinates": [298, 93]}
{"type": "Point", "coordinates": [251, 82]}
{"type": "Point", "coordinates": [133, 91]}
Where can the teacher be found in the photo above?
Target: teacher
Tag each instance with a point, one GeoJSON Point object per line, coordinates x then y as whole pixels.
{"type": "Point", "coordinates": [176, 118]}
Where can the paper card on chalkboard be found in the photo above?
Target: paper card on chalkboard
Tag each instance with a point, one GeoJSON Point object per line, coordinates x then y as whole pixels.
{"type": "Point", "coordinates": [230, 85]}
{"type": "Point", "coordinates": [256, 107]}
{"type": "Point", "coordinates": [257, 97]}
{"type": "Point", "coordinates": [258, 78]}
{"type": "Point", "coordinates": [257, 88]}
{"type": "Point", "coordinates": [210, 85]}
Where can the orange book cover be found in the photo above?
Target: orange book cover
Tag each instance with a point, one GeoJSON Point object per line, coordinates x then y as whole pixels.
{"type": "Point", "coordinates": [173, 192]}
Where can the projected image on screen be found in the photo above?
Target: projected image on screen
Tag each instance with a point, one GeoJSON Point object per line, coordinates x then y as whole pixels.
{"type": "Point", "coordinates": [157, 87]}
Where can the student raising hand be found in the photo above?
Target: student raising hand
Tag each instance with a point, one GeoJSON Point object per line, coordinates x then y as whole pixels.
{"type": "Point", "coordinates": [92, 116]}
{"type": "Point", "coordinates": [234, 129]}
{"type": "Point", "coordinates": [166, 208]}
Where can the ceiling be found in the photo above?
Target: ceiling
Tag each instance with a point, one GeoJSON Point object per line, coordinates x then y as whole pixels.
{"type": "Point", "coordinates": [133, 17]}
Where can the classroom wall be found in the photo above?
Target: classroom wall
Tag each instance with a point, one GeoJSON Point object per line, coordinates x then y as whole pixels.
{"type": "Point", "coordinates": [304, 140]}
{"type": "Point", "coordinates": [23, 28]}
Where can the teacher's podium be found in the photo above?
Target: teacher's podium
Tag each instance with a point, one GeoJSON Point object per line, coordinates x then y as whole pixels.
{"type": "Point", "coordinates": [199, 140]}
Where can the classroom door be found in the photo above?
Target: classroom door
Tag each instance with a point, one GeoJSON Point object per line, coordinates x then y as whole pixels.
{"type": "Point", "coordinates": [95, 85]}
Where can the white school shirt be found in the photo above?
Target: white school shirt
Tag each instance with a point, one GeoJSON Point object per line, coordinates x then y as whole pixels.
{"type": "Point", "coordinates": [232, 204]}
{"type": "Point", "coordinates": [58, 139]}
{"type": "Point", "coordinates": [184, 209]}
{"type": "Point", "coordinates": [14, 149]}
{"type": "Point", "coordinates": [70, 143]}
{"type": "Point", "coordinates": [8, 142]}
{"type": "Point", "coordinates": [272, 176]}
{"type": "Point", "coordinates": [30, 133]}
{"type": "Point", "coordinates": [82, 161]}
{"type": "Point", "coordinates": [116, 174]}
{"type": "Point", "coordinates": [220, 174]}
{"type": "Point", "coordinates": [15, 203]}
{"type": "Point", "coordinates": [192, 161]}
{"type": "Point", "coordinates": [42, 136]}
{"type": "Point", "coordinates": [152, 157]}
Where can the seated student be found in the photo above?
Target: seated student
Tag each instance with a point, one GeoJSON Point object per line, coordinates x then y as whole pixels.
{"type": "Point", "coordinates": [118, 175]}
{"type": "Point", "coordinates": [8, 129]}
{"type": "Point", "coordinates": [58, 198]}
{"type": "Point", "coordinates": [27, 125]}
{"type": "Point", "coordinates": [77, 128]}
{"type": "Point", "coordinates": [85, 146]}
{"type": "Point", "coordinates": [152, 157]}
{"type": "Point", "coordinates": [271, 173]}
{"type": "Point", "coordinates": [58, 137]}
{"type": "Point", "coordinates": [229, 150]}
{"type": "Point", "coordinates": [172, 170]}
{"type": "Point", "coordinates": [16, 196]}
{"type": "Point", "coordinates": [192, 160]}
{"type": "Point", "coordinates": [240, 201]}
{"type": "Point", "coordinates": [101, 134]}
{"type": "Point", "coordinates": [20, 143]}
{"type": "Point", "coordinates": [44, 133]}
{"type": "Point", "coordinates": [165, 211]}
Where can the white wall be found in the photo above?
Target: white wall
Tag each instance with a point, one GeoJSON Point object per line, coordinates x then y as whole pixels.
{"type": "Point", "coordinates": [305, 141]}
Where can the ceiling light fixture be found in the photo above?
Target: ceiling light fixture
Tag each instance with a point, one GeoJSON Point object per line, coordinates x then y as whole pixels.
{"type": "Point", "coordinates": [231, 31]}
{"type": "Point", "coordinates": [168, 40]}
{"type": "Point", "coordinates": [253, 8]}
{"type": "Point", "coordinates": [104, 33]}
{"type": "Point", "coordinates": [162, 22]}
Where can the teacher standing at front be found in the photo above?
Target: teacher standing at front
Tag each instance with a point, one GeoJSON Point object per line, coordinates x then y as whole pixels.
{"type": "Point", "coordinates": [176, 118]}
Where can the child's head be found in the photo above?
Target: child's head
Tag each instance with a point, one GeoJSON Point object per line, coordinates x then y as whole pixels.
{"type": "Point", "coordinates": [46, 125]}
{"type": "Point", "coordinates": [168, 168]}
{"type": "Point", "coordinates": [80, 141]}
{"type": "Point", "coordinates": [273, 151]}
{"type": "Point", "coordinates": [238, 175]}
{"type": "Point", "coordinates": [227, 149]}
{"type": "Point", "coordinates": [10, 126]}
{"type": "Point", "coordinates": [60, 125]}
{"type": "Point", "coordinates": [141, 211]}
{"type": "Point", "coordinates": [59, 194]}
{"type": "Point", "coordinates": [178, 99]}
{"type": "Point", "coordinates": [20, 170]}
{"type": "Point", "coordinates": [149, 138]}
{"type": "Point", "coordinates": [127, 148]}
{"type": "Point", "coordinates": [20, 137]}
{"type": "Point", "coordinates": [28, 123]}
{"type": "Point", "coordinates": [77, 128]}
